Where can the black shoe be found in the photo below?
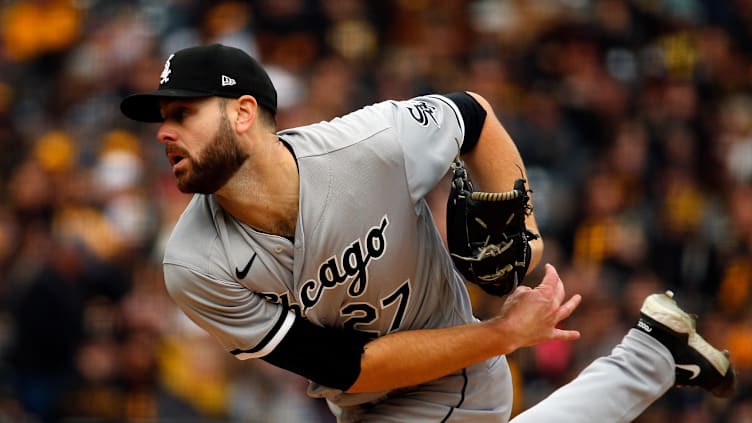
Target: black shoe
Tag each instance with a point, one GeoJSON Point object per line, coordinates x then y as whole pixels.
{"type": "Point", "coordinates": [697, 362]}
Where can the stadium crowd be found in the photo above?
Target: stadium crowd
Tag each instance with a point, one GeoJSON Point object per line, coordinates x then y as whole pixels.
{"type": "Point", "coordinates": [634, 118]}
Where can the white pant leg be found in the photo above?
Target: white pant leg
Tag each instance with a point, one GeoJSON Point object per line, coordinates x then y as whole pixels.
{"type": "Point", "coordinates": [615, 388]}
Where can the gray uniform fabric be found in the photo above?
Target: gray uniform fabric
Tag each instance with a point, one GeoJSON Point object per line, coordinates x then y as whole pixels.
{"type": "Point", "coordinates": [366, 255]}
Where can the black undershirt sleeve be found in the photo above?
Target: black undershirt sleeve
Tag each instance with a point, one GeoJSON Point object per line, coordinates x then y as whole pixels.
{"type": "Point", "coordinates": [473, 114]}
{"type": "Point", "coordinates": [328, 356]}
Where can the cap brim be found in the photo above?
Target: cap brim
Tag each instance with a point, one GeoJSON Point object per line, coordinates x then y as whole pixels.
{"type": "Point", "coordinates": [144, 107]}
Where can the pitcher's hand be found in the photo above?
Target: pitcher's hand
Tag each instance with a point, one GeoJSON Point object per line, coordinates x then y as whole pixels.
{"type": "Point", "coordinates": [531, 315]}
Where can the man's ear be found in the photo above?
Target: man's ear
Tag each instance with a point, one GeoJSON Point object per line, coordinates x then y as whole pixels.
{"type": "Point", "coordinates": [247, 111]}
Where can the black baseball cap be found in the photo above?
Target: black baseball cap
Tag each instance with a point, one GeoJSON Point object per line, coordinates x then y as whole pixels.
{"type": "Point", "coordinates": [204, 71]}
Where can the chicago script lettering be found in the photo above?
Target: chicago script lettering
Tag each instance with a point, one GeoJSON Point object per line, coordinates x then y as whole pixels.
{"type": "Point", "coordinates": [352, 265]}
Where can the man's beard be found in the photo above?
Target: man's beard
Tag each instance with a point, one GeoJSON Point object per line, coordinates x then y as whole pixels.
{"type": "Point", "coordinates": [215, 164]}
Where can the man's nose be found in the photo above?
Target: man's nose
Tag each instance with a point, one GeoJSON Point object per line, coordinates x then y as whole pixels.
{"type": "Point", "coordinates": [165, 134]}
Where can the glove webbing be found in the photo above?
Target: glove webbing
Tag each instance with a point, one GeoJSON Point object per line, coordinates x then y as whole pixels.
{"type": "Point", "coordinates": [495, 196]}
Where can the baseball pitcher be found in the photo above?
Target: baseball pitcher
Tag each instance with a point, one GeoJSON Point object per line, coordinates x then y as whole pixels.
{"type": "Point", "coordinates": [313, 249]}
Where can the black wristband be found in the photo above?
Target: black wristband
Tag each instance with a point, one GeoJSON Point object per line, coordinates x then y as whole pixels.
{"type": "Point", "coordinates": [328, 356]}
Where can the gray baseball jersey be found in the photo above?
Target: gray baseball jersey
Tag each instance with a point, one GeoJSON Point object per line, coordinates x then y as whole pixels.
{"type": "Point", "coordinates": [367, 256]}
{"type": "Point", "coordinates": [366, 253]}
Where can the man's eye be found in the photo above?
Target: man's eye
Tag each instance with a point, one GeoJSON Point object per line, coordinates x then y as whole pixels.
{"type": "Point", "coordinates": [179, 114]}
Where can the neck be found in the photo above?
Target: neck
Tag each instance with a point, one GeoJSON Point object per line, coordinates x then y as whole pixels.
{"type": "Point", "coordinates": [264, 192]}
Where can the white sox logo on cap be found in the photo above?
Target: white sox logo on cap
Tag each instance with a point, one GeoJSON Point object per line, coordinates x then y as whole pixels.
{"type": "Point", "coordinates": [165, 75]}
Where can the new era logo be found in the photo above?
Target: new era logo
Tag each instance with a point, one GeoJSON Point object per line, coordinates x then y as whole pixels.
{"type": "Point", "coordinates": [227, 81]}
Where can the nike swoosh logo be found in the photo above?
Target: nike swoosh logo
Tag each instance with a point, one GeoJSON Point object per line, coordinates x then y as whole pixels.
{"type": "Point", "coordinates": [692, 368]}
{"type": "Point", "coordinates": [241, 273]}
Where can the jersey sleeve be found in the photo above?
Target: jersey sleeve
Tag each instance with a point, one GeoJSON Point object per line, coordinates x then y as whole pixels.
{"type": "Point", "coordinates": [243, 322]}
{"type": "Point", "coordinates": [431, 131]}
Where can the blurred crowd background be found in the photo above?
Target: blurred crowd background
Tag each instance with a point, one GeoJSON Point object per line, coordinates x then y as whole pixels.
{"type": "Point", "coordinates": [634, 118]}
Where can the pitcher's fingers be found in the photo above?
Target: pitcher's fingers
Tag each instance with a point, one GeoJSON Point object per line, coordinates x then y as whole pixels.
{"type": "Point", "coordinates": [565, 335]}
{"type": "Point", "coordinates": [523, 288]}
{"type": "Point", "coordinates": [567, 308]}
{"type": "Point", "coordinates": [557, 285]}
{"type": "Point", "coordinates": [550, 278]}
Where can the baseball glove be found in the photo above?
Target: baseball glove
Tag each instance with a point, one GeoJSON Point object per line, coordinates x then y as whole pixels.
{"type": "Point", "coordinates": [486, 233]}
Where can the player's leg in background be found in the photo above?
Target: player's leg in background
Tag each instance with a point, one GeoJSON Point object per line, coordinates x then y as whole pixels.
{"type": "Point", "coordinates": [615, 388]}
{"type": "Point", "coordinates": [663, 350]}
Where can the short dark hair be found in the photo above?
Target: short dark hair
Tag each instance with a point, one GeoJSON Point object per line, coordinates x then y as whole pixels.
{"type": "Point", "coordinates": [265, 116]}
